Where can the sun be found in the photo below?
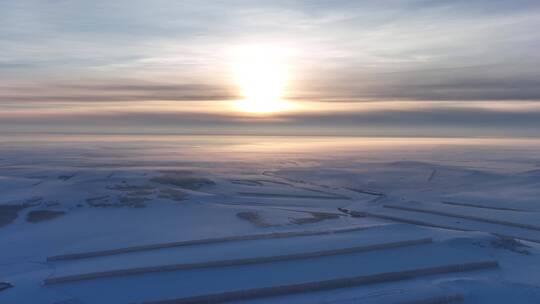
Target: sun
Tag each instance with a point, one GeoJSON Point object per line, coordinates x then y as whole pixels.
{"type": "Point", "coordinates": [261, 72]}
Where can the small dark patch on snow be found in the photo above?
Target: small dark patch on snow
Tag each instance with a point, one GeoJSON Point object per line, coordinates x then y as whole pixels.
{"type": "Point", "coordinates": [132, 188]}
{"type": "Point", "coordinates": [133, 201]}
{"type": "Point", "coordinates": [438, 300]}
{"type": "Point", "coordinates": [8, 213]}
{"type": "Point", "coordinates": [33, 201]}
{"type": "Point", "coordinates": [432, 175]}
{"type": "Point", "coordinates": [315, 217]}
{"type": "Point", "coordinates": [134, 195]}
{"type": "Point", "coordinates": [66, 177]}
{"type": "Point", "coordinates": [182, 179]}
{"type": "Point", "coordinates": [43, 215]}
{"type": "Point", "coordinates": [246, 182]}
{"type": "Point", "coordinates": [369, 192]}
{"type": "Point", "coordinates": [481, 206]}
{"type": "Point", "coordinates": [98, 201]}
{"type": "Point", "coordinates": [254, 218]}
{"type": "Point", "coordinates": [5, 285]}
{"type": "Point", "coordinates": [140, 192]}
{"type": "Point", "coordinates": [128, 200]}
{"type": "Point", "coordinates": [352, 212]}
{"type": "Point", "coordinates": [172, 194]}
{"type": "Point", "coordinates": [510, 244]}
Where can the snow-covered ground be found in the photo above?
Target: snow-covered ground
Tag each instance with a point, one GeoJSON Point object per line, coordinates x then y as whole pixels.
{"type": "Point", "coordinates": [179, 219]}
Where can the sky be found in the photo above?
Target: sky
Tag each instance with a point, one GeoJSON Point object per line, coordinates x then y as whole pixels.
{"type": "Point", "coordinates": [367, 68]}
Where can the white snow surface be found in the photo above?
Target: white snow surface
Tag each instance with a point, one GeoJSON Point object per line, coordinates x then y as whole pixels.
{"type": "Point", "coordinates": [476, 199]}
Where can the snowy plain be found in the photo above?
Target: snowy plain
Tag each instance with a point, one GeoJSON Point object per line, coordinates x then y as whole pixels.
{"type": "Point", "coordinates": [207, 219]}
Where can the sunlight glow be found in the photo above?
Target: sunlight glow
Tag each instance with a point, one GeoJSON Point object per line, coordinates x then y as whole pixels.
{"type": "Point", "coordinates": [261, 72]}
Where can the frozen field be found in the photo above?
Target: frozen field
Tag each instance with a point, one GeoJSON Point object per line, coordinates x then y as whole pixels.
{"type": "Point", "coordinates": [179, 219]}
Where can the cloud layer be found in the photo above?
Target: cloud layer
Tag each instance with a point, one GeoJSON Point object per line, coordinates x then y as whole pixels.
{"type": "Point", "coordinates": [54, 54]}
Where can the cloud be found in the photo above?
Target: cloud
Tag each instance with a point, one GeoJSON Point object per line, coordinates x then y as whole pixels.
{"type": "Point", "coordinates": [113, 91]}
{"type": "Point", "coordinates": [58, 55]}
{"type": "Point", "coordinates": [508, 81]}
{"type": "Point", "coordinates": [452, 119]}
{"type": "Point", "coordinates": [351, 35]}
